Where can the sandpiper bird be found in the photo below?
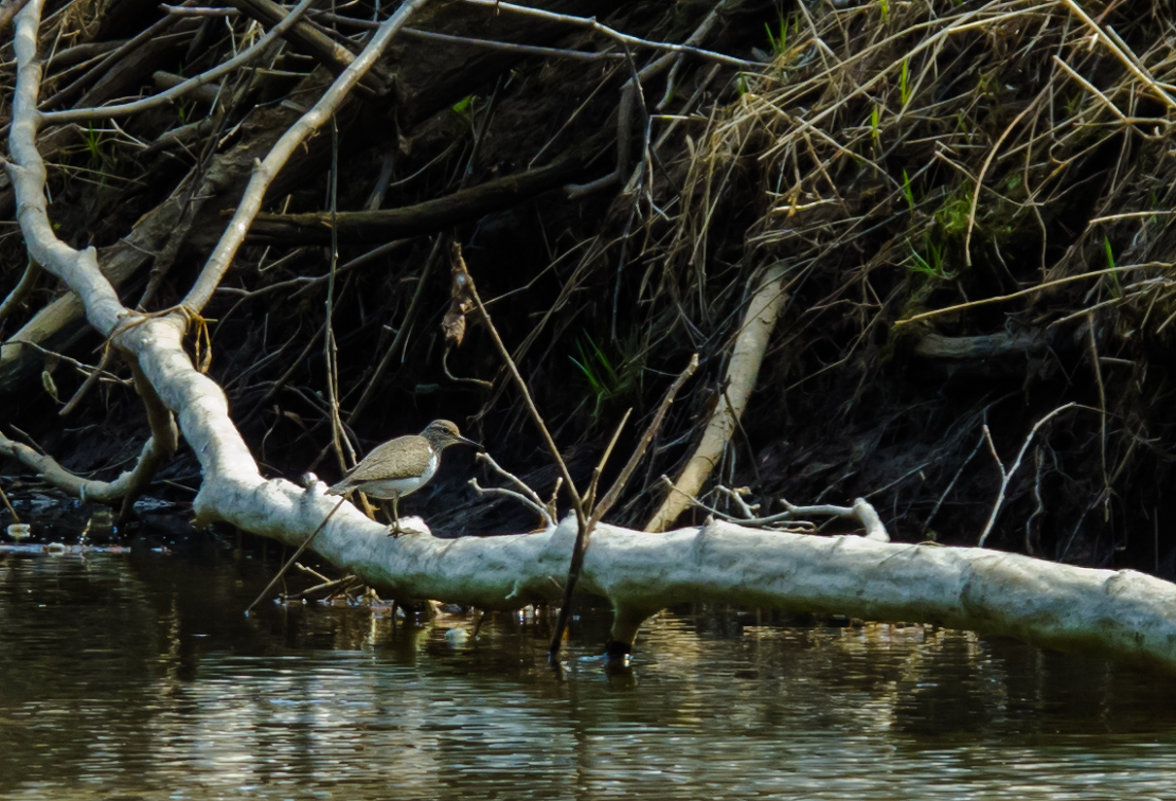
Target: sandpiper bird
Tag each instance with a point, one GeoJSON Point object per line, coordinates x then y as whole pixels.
{"type": "Point", "coordinates": [401, 466]}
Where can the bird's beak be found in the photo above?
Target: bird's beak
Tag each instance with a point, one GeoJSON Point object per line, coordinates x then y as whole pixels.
{"type": "Point", "coordinates": [470, 442]}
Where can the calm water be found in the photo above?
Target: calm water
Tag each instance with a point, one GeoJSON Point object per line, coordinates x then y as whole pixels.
{"type": "Point", "coordinates": [138, 677]}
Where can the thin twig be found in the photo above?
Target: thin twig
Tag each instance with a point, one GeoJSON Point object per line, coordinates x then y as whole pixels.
{"type": "Point", "coordinates": [1030, 290]}
{"type": "Point", "coordinates": [462, 276]}
{"type": "Point", "coordinates": [305, 544]}
{"type": "Point", "coordinates": [91, 379]}
{"type": "Point", "coordinates": [8, 506]}
{"type": "Point", "coordinates": [306, 569]}
{"type": "Point", "coordinates": [589, 22]}
{"type": "Point", "coordinates": [736, 496]}
{"type": "Point", "coordinates": [533, 497]}
{"type": "Point", "coordinates": [978, 184]}
{"type": "Point", "coordinates": [590, 495]}
{"type": "Point", "coordinates": [345, 583]}
{"type": "Point", "coordinates": [480, 383]}
{"type": "Point", "coordinates": [539, 509]}
{"type": "Point", "coordinates": [606, 503]}
{"type": "Point", "coordinates": [465, 282]}
{"type": "Point", "coordinates": [330, 347]}
{"type": "Point", "coordinates": [1088, 86]}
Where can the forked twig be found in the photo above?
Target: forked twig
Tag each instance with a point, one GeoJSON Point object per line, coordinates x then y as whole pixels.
{"type": "Point", "coordinates": [1007, 475]}
{"type": "Point", "coordinates": [524, 494]}
{"type": "Point", "coordinates": [521, 497]}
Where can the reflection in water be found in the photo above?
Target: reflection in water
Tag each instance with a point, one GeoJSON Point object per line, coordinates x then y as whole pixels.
{"type": "Point", "coordinates": [138, 677]}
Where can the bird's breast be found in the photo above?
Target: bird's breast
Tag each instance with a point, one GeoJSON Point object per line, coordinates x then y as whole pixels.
{"type": "Point", "coordinates": [399, 486]}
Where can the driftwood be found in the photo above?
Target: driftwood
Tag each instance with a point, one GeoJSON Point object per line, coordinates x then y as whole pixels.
{"type": "Point", "coordinates": [1122, 613]}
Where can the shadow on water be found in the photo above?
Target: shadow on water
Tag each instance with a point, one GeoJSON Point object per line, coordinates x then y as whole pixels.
{"type": "Point", "coordinates": [138, 677]}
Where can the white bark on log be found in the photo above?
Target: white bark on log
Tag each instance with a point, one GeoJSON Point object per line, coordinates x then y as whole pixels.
{"type": "Point", "coordinates": [1124, 614]}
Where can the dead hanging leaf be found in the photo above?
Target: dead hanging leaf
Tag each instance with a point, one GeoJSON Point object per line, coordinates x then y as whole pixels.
{"type": "Point", "coordinates": [454, 325]}
{"type": "Point", "coordinates": [202, 343]}
{"type": "Point", "coordinates": [49, 385]}
{"type": "Point", "coordinates": [293, 417]}
{"type": "Point", "coordinates": [460, 299]}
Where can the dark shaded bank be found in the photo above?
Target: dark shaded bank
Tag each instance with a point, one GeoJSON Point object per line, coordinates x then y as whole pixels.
{"type": "Point", "coordinates": [972, 205]}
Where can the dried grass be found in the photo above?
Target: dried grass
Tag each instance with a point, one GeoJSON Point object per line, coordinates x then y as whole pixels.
{"type": "Point", "coordinates": [903, 158]}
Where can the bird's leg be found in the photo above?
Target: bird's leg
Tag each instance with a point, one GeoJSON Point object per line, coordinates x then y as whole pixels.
{"type": "Point", "coordinates": [395, 516]}
{"type": "Point", "coordinates": [392, 514]}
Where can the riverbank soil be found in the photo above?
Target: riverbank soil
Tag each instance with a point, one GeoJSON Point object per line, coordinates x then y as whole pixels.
{"type": "Point", "coordinates": [967, 206]}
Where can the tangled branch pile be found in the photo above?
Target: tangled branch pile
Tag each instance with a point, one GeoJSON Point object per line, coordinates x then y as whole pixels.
{"type": "Point", "coordinates": [967, 204]}
{"type": "Point", "coordinates": [973, 207]}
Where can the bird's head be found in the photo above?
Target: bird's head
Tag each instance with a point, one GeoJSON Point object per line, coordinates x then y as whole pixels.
{"type": "Point", "coordinates": [443, 433]}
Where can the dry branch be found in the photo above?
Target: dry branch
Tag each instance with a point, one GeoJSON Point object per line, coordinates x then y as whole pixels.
{"type": "Point", "coordinates": [746, 356]}
{"type": "Point", "coordinates": [980, 346]}
{"type": "Point", "coordinates": [330, 53]}
{"type": "Point", "coordinates": [268, 168]}
{"type": "Point", "coordinates": [418, 219]}
{"type": "Point", "coordinates": [183, 87]}
{"type": "Point", "coordinates": [125, 486]}
{"type": "Point", "coordinates": [20, 292]}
